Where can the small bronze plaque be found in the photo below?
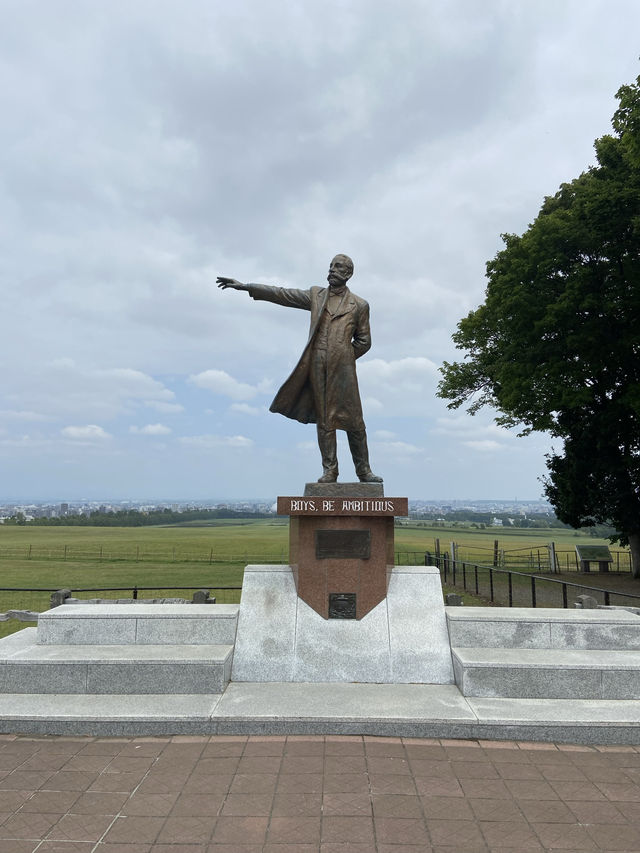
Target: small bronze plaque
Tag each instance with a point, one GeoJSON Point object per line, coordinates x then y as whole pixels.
{"type": "Point", "coordinates": [343, 544]}
{"type": "Point", "coordinates": [342, 605]}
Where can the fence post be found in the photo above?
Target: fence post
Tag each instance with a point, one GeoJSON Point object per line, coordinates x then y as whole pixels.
{"type": "Point", "coordinates": [476, 574]}
{"type": "Point", "coordinates": [495, 552]}
{"type": "Point", "coordinates": [437, 548]}
{"type": "Point", "coordinates": [464, 576]}
{"type": "Point", "coordinates": [135, 593]}
{"type": "Point", "coordinates": [59, 597]}
{"type": "Point", "coordinates": [565, 603]}
{"type": "Point", "coordinates": [552, 556]}
{"type": "Point", "coordinates": [491, 583]}
{"type": "Point", "coordinates": [510, 590]}
{"type": "Point", "coordinates": [533, 591]}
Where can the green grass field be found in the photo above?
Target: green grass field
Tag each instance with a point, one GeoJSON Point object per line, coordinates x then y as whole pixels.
{"type": "Point", "coordinates": [215, 555]}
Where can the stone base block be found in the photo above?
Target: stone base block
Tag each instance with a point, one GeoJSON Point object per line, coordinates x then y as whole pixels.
{"type": "Point", "coordinates": [138, 624]}
{"type": "Point", "coordinates": [29, 667]}
{"type": "Point", "coordinates": [542, 628]}
{"type": "Point", "coordinates": [548, 673]}
{"type": "Point", "coordinates": [403, 639]}
{"type": "Point", "coordinates": [344, 490]}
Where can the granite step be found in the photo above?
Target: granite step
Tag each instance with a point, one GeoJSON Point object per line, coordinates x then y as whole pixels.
{"type": "Point", "coordinates": [139, 624]}
{"type": "Point", "coordinates": [404, 710]}
{"type": "Point", "coordinates": [542, 628]}
{"type": "Point", "coordinates": [30, 667]}
{"type": "Point", "coordinates": [522, 673]}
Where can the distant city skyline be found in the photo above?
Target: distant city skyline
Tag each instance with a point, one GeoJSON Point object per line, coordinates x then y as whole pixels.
{"type": "Point", "coordinates": [214, 500]}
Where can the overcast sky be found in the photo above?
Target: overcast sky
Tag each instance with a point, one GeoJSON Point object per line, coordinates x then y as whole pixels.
{"type": "Point", "coordinates": [148, 145]}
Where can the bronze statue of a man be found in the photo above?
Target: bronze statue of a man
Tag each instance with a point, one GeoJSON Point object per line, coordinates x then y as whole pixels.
{"type": "Point", "coordinates": [323, 388]}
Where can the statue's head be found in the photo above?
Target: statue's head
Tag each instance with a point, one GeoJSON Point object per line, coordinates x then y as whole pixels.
{"type": "Point", "coordinates": [340, 270]}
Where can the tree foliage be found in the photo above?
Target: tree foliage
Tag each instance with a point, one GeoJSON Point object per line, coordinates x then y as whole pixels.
{"type": "Point", "coordinates": [556, 344]}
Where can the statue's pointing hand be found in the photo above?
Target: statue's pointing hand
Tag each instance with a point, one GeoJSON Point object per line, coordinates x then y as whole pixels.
{"type": "Point", "coordinates": [224, 282]}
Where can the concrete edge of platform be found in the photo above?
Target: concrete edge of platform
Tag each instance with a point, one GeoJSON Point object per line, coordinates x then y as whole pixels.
{"type": "Point", "coordinates": [566, 721]}
{"type": "Point", "coordinates": [599, 734]}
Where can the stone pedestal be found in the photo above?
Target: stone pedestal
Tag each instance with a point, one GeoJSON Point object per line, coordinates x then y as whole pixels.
{"type": "Point", "coordinates": [341, 546]}
{"type": "Point", "coordinates": [402, 640]}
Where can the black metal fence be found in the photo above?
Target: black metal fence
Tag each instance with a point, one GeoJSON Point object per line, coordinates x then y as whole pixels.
{"type": "Point", "coordinates": [550, 558]}
{"type": "Point", "coordinates": [507, 588]}
{"type": "Point", "coordinates": [38, 600]}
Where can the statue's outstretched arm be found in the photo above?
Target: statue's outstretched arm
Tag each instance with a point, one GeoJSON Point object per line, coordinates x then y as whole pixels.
{"type": "Point", "coordinates": [224, 282]}
{"type": "Point", "coordinates": [288, 297]}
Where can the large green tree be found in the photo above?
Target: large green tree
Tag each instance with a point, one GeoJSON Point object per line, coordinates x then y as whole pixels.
{"type": "Point", "coordinates": [556, 344]}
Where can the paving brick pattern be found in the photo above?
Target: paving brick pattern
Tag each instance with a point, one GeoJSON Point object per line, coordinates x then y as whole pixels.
{"type": "Point", "coordinates": [314, 795]}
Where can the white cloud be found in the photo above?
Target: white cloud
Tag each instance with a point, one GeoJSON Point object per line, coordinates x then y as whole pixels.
{"type": "Point", "coordinates": [166, 408]}
{"type": "Point", "coordinates": [220, 382]}
{"type": "Point", "coordinates": [246, 409]}
{"type": "Point", "coordinates": [11, 415]}
{"type": "Point", "coordinates": [399, 448]}
{"type": "Point", "coordinates": [211, 442]}
{"type": "Point", "coordinates": [384, 435]}
{"type": "Point", "coordinates": [485, 445]}
{"type": "Point", "coordinates": [64, 389]}
{"type": "Point", "coordinates": [459, 426]}
{"type": "Point", "coordinates": [404, 386]}
{"type": "Point", "coordinates": [265, 386]}
{"type": "Point", "coordinates": [371, 405]}
{"type": "Point", "coordinates": [150, 429]}
{"type": "Point", "coordinates": [26, 442]}
{"type": "Point", "coordinates": [90, 432]}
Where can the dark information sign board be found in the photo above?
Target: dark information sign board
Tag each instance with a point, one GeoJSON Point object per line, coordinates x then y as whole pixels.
{"type": "Point", "coordinates": [594, 554]}
{"type": "Point", "coordinates": [343, 544]}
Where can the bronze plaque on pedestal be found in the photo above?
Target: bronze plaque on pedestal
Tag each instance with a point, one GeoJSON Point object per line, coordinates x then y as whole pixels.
{"type": "Point", "coordinates": [342, 605]}
{"type": "Point", "coordinates": [343, 544]}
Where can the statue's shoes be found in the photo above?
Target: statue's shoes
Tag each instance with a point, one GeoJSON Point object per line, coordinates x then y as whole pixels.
{"type": "Point", "coordinates": [370, 477]}
{"type": "Point", "coordinates": [328, 477]}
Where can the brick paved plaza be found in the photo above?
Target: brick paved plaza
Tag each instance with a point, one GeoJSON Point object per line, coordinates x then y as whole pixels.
{"type": "Point", "coordinates": [314, 795]}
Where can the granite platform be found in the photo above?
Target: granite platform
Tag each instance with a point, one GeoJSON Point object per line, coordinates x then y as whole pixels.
{"type": "Point", "coordinates": [512, 674]}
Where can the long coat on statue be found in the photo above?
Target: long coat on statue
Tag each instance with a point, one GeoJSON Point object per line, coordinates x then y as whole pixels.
{"type": "Point", "coordinates": [322, 392]}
